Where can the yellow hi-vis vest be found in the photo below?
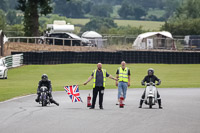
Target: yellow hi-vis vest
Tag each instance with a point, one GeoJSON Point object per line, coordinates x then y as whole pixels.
{"type": "Point", "coordinates": [104, 78]}
{"type": "Point", "coordinates": [123, 74]}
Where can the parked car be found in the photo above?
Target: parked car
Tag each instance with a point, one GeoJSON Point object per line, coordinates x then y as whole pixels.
{"type": "Point", "coordinates": [70, 39]}
{"type": "Point", "coordinates": [3, 69]}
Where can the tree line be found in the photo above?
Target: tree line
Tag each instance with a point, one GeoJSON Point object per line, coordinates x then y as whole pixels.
{"type": "Point", "coordinates": [186, 20]}
{"type": "Point", "coordinates": [126, 9]}
{"type": "Point", "coordinates": [31, 16]}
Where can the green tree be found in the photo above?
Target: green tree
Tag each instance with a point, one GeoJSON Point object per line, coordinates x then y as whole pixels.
{"type": "Point", "coordinates": [87, 6]}
{"type": "Point", "coordinates": [70, 9]}
{"type": "Point", "coordinates": [32, 10]}
{"type": "Point", "coordinates": [101, 10]}
{"type": "Point", "coordinates": [3, 5]}
{"type": "Point", "coordinates": [170, 8]}
{"type": "Point", "coordinates": [14, 30]}
{"type": "Point", "coordinates": [12, 4]}
{"type": "Point", "coordinates": [183, 27]}
{"type": "Point", "coordinates": [131, 11]}
{"type": "Point", "coordinates": [12, 18]}
{"type": "Point", "coordinates": [139, 12]}
{"type": "Point", "coordinates": [99, 24]}
{"type": "Point", "coordinates": [189, 9]}
{"type": "Point", "coordinates": [186, 20]}
{"type": "Point", "coordinates": [126, 10]}
{"type": "Point", "coordinates": [159, 4]}
{"type": "Point", "coordinates": [2, 20]}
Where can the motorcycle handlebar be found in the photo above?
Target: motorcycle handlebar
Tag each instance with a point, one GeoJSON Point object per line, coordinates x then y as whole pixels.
{"type": "Point", "coordinates": [147, 84]}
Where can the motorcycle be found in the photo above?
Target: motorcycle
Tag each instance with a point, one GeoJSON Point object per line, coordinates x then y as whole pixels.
{"type": "Point", "coordinates": [151, 94]}
{"type": "Point", "coordinates": [44, 96]}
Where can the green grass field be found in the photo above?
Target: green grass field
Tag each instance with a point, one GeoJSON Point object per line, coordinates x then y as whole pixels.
{"type": "Point", "coordinates": [147, 25]}
{"type": "Point", "coordinates": [24, 80]}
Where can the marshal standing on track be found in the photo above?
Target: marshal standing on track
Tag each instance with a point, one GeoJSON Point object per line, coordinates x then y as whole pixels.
{"type": "Point", "coordinates": [99, 79]}
{"type": "Point", "coordinates": [123, 73]}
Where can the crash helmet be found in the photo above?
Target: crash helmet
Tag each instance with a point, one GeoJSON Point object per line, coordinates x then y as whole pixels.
{"type": "Point", "coordinates": [44, 77]}
{"type": "Point", "coordinates": [150, 72]}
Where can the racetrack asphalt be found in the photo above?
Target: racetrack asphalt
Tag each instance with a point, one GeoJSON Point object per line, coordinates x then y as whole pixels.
{"type": "Point", "coordinates": [180, 114]}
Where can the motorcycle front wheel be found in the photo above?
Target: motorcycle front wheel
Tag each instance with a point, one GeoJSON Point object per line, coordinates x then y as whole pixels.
{"type": "Point", "coordinates": [44, 99]}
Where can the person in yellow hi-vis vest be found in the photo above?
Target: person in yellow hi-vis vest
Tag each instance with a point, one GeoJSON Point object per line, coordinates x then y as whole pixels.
{"type": "Point", "coordinates": [123, 74]}
{"type": "Point", "coordinates": [99, 82]}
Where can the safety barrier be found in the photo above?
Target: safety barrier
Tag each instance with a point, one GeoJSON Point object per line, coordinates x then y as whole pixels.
{"type": "Point", "coordinates": [12, 61]}
{"type": "Point", "coordinates": [111, 57]}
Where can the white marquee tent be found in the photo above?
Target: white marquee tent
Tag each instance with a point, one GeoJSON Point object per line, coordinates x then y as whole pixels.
{"type": "Point", "coordinates": [91, 34]}
{"type": "Point", "coordinates": [147, 40]}
{"type": "Point", "coordinates": [94, 37]}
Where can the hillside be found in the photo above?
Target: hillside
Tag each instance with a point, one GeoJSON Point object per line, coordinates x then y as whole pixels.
{"type": "Point", "coordinates": [146, 25]}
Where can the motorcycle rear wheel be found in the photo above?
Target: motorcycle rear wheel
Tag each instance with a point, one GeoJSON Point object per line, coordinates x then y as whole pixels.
{"type": "Point", "coordinates": [150, 102]}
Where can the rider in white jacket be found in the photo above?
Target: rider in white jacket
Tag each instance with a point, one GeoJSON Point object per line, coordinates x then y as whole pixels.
{"type": "Point", "coordinates": [151, 78]}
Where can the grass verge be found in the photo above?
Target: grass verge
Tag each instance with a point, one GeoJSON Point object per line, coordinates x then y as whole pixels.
{"type": "Point", "coordinates": [24, 80]}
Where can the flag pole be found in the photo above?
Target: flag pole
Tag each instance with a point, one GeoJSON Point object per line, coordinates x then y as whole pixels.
{"type": "Point", "coordinates": [80, 84]}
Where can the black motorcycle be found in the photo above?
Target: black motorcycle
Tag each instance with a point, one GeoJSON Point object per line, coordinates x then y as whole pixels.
{"type": "Point", "coordinates": [44, 96]}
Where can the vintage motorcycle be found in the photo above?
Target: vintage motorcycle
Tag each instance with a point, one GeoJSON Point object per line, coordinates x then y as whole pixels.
{"type": "Point", "coordinates": [44, 96]}
{"type": "Point", "coordinates": [151, 94]}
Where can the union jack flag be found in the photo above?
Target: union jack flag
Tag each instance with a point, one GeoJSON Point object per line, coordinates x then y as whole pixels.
{"type": "Point", "coordinates": [73, 93]}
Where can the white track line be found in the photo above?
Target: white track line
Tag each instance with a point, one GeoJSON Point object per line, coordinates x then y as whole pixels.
{"type": "Point", "coordinates": [16, 98]}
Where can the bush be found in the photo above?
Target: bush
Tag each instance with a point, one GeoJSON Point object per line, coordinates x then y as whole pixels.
{"type": "Point", "coordinates": [99, 24]}
{"type": "Point", "coordinates": [183, 26]}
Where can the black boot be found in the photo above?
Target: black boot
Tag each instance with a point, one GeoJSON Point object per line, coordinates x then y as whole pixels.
{"type": "Point", "coordinates": [53, 101]}
{"type": "Point", "coordinates": [56, 103]}
{"type": "Point", "coordinates": [37, 99]}
{"type": "Point", "coordinates": [141, 102]}
{"type": "Point", "coordinates": [159, 103]}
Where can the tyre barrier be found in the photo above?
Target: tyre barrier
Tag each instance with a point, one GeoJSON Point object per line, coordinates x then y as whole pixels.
{"type": "Point", "coordinates": [110, 57]}
{"type": "Point", "coordinates": [12, 61]}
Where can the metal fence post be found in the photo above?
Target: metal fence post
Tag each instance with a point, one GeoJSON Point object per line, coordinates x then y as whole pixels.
{"type": "Point", "coordinates": [125, 37]}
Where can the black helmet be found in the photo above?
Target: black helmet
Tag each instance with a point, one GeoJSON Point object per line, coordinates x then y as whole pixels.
{"type": "Point", "coordinates": [44, 77]}
{"type": "Point", "coordinates": [150, 71]}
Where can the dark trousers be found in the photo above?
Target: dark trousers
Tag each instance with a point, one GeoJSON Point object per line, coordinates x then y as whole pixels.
{"type": "Point", "coordinates": [96, 90]}
{"type": "Point", "coordinates": [50, 97]}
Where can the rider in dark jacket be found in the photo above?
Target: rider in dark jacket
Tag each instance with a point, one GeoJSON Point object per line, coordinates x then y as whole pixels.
{"type": "Point", "coordinates": [151, 78]}
{"type": "Point", "coordinates": [47, 83]}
